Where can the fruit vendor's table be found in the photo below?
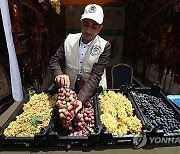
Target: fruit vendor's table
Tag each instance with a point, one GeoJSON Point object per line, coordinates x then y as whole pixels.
{"type": "Point", "coordinates": [101, 149]}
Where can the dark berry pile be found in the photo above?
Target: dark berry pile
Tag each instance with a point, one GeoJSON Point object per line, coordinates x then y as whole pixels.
{"type": "Point", "coordinates": [159, 115]}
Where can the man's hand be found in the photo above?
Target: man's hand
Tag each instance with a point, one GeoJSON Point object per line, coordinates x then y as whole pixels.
{"type": "Point", "coordinates": [79, 103]}
{"type": "Point", "coordinates": [62, 80]}
{"type": "Point", "coordinates": [79, 106]}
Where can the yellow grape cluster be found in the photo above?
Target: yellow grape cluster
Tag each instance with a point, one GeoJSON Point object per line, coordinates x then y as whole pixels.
{"type": "Point", "coordinates": [117, 114]}
{"type": "Point", "coordinates": [56, 5]}
{"type": "Point", "coordinates": [39, 105]}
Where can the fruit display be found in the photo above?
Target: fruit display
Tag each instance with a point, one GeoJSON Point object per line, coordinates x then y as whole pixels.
{"type": "Point", "coordinates": [158, 114]}
{"type": "Point", "coordinates": [117, 114]}
{"type": "Point", "coordinates": [36, 115]}
{"type": "Point", "coordinates": [111, 119]}
{"type": "Point", "coordinates": [79, 124]}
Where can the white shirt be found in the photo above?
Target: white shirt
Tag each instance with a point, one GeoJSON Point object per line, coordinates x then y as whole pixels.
{"type": "Point", "coordinates": [82, 52]}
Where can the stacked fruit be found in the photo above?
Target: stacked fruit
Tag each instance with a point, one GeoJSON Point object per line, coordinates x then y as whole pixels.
{"type": "Point", "coordinates": [159, 115]}
{"type": "Point", "coordinates": [67, 104]}
{"type": "Point", "coordinates": [55, 5]}
{"type": "Point", "coordinates": [117, 114]}
{"type": "Point", "coordinates": [36, 114]}
{"type": "Point", "coordinates": [83, 132]}
{"type": "Point", "coordinates": [84, 121]}
{"type": "Point", "coordinates": [79, 123]}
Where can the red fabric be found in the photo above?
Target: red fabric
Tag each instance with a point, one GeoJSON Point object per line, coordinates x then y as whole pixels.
{"type": "Point", "coordinates": [16, 27]}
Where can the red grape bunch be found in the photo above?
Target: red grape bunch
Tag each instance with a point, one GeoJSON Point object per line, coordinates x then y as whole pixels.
{"type": "Point", "coordinates": [84, 121]}
{"type": "Point", "coordinates": [85, 117]}
{"type": "Point", "coordinates": [67, 103]}
{"type": "Point", "coordinates": [83, 132]}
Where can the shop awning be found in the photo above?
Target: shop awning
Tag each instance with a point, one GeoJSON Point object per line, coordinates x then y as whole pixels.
{"type": "Point", "coordinates": [85, 2]}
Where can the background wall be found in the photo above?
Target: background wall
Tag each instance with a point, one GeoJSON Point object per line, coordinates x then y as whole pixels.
{"type": "Point", "coordinates": [152, 75]}
{"type": "Point", "coordinates": [151, 43]}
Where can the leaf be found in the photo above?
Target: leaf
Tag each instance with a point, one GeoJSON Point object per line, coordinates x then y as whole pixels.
{"type": "Point", "coordinates": [103, 93]}
{"type": "Point", "coordinates": [35, 120]}
{"type": "Point", "coordinates": [90, 129]}
{"type": "Point", "coordinates": [31, 92]}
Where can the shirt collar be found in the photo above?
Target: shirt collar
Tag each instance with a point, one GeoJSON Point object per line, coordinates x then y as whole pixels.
{"type": "Point", "coordinates": [82, 43]}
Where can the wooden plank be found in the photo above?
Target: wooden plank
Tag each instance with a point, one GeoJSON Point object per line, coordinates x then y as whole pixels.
{"type": "Point", "coordinates": [5, 106]}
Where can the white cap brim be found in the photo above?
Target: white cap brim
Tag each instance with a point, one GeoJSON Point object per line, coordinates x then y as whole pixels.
{"type": "Point", "coordinates": [91, 16]}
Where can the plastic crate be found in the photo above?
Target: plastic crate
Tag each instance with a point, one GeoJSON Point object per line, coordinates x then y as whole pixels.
{"type": "Point", "coordinates": [175, 99]}
{"type": "Point", "coordinates": [107, 138]}
{"type": "Point", "coordinates": [39, 140]}
{"type": "Point", "coordinates": [58, 137]}
{"type": "Point", "coordinates": [156, 90]}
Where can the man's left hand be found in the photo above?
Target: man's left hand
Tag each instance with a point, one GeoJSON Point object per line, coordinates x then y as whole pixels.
{"type": "Point", "coordinates": [79, 106]}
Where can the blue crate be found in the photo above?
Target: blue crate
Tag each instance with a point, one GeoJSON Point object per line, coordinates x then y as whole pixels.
{"type": "Point", "coordinates": [175, 99]}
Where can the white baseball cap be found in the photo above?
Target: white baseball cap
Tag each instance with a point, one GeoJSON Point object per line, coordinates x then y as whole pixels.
{"type": "Point", "coordinates": [94, 12]}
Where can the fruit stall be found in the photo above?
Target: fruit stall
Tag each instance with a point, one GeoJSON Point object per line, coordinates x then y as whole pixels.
{"type": "Point", "coordinates": [44, 119]}
{"type": "Point", "coordinates": [129, 119]}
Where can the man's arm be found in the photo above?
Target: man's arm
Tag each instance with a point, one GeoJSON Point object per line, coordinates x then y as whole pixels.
{"type": "Point", "coordinates": [97, 71]}
{"type": "Point", "coordinates": [57, 62]}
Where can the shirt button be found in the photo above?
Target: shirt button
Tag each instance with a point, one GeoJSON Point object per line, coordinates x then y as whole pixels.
{"type": "Point", "coordinates": [80, 61]}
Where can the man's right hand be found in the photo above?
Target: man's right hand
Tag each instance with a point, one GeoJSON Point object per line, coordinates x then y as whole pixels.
{"type": "Point", "coordinates": [62, 80]}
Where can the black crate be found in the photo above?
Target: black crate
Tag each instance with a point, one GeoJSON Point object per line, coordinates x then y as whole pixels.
{"type": "Point", "coordinates": [58, 137]}
{"type": "Point", "coordinates": [155, 90]}
{"type": "Point", "coordinates": [39, 140]}
{"type": "Point", "coordinates": [107, 138]}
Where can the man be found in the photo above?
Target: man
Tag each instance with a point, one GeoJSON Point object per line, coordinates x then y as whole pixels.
{"type": "Point", "coordinates": [81, 60]}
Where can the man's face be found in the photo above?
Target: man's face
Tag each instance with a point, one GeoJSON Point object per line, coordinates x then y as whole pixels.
{"type": "Point", "coordinates": [90, 29]}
